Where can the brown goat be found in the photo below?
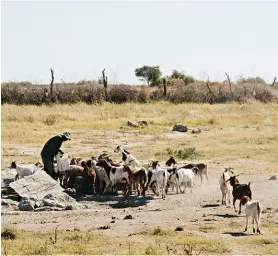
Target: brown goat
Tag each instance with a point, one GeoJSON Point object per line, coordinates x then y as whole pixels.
{"type": "Point", "coordinates": [239, 191]}
{"type": "Point", "coordinates": [86, 171]}
{"type": "Point", "coordinates": [138, 177]}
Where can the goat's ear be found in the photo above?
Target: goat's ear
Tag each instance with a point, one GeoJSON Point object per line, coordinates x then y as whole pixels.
{"type": "Point", "coordinates": [236, 175]}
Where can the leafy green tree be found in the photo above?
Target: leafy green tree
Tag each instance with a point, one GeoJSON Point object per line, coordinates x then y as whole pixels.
{"type": "Point", "coordinates": [250, 80]}
{"type": "Point", "coordinates": [181, 75]}
{"type": "Point", "coordinates": [150, 74]}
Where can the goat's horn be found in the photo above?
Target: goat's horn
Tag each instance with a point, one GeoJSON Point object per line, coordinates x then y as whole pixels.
{"type": "Point", "coordinates": [228, 180]}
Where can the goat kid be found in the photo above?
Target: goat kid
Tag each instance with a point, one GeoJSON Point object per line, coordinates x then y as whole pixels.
{"type": "Point", "coordinates": [23, 170]}
{"type": "Point", "coordinates": [139, 177]}
{"type": "Point", "coordinates": [253, 209]}
{"type": "Point", "coordinates": [224, 186]}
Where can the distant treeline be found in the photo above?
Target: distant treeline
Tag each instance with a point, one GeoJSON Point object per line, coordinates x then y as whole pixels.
{"type": "Point", "coordinates": [174, 90]}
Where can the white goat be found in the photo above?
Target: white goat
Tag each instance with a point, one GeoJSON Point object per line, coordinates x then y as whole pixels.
{"type": "Point", "coordinates": [225, 187]}
{"type": "Point", "coordinates": [23, 170]}
{"type": "Point", "coordinates": [185, 176]}
{"type": "Point", "coordinates": [253, 209]}
{"type": "Point", "coordinates": [160, 176]}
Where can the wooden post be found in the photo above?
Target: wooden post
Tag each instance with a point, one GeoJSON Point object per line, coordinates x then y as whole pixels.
{"type": "Point", "coordinates": [104, 78]}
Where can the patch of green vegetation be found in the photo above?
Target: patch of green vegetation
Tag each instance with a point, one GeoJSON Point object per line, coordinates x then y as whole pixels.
{"type": "Point", "coordinates": [185, 153]}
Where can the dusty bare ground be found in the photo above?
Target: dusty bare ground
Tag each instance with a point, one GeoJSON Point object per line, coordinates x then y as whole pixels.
{"type": "Point", "coordinates": [199, 213]}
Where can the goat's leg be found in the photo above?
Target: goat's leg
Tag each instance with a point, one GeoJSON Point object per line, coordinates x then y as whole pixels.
{"type": "Point", "coordinates": [201, 176]}
{"type": "Point", "coordinates": [207, 177]}
{"type": "Point", "coordinates": [234, 204]}
{"type": "Point", "coordinates": [254, 230]}
{"type": "Point", "coordinates": [229, 195]}
{"type": "Point", "coordinates": [258, 224]}
{"type": "Point", "coordinates": [246, 224]}
{"type": "Point", "coordinates": [223, 195]}
{"type": "Point", "coordinates": [239, 212]}
{"type": "Point", "coordinates": [138, 189]}
{"type": "Point", "coordinates": [177, 188]}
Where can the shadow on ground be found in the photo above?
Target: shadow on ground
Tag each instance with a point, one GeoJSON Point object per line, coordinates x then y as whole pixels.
{"type": "Point", "coordinates": [227, 215]}
{"type": "Point", "coordinates": [210, 205]}
{"type": "Point", "coordinates": [119, 201]}
{"type": "Point", "coordinates": [235, 234]}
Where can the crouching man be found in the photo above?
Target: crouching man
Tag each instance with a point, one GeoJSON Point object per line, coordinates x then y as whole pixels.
{"type": "Point", "coordinates": [50, 150]}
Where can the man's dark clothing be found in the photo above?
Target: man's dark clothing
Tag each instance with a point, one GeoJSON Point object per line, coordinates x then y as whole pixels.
{"type": "Point", "coordinates": [51, 149]}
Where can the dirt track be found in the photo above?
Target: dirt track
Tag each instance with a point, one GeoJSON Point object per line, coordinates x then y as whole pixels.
{"type": "Point", "coordinates": [191, 211]}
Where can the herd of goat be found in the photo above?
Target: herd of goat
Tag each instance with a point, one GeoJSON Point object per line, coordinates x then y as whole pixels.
{"type": "Point", "coordinates": [103, 173]}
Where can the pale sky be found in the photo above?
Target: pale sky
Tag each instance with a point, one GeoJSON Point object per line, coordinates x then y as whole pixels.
{"type": "Point", "coordinates": [79, 39]}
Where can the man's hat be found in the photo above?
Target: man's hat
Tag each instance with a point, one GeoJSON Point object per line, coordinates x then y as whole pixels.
{"type": "Point", "coordinates": [66, 134]}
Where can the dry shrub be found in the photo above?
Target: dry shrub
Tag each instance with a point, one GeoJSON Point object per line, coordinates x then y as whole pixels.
{"type": "Point", "coordinates": [125, 93]}
{"type": "Point", "coordinates": [157, 95]}
{"type": "Point", "coordinates": [177, 92]}
{"type": "Point", "coordinates": [50, 120]}
{"type": "Point", "coordinates": [31, 94]}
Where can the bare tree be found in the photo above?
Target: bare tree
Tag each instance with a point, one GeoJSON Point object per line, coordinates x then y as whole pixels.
{"type": "Point", "coordinates": [274, 82]}
{"type": "Point", "coordinates": [164, 86]}
{"type": "Point", "coordinates": [230, 85]}
{"type": "Point", "coordinates": [104, 79]}
{"type": "Point", "coordinates": [51, 84]}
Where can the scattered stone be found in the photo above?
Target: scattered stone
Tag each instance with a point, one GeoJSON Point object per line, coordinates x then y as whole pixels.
{"type": "Point", "coordinates": [179, 229]}
{"type": "Point", "coordinates": [26, 204]}
{"type": "Point", "coordinates": [128, 217]}
{"type": "Point", "coordinates": [132, 123]}
{"type": "Point", "coordinates": [104, 227]}
{"type": "Point", "coordinates": [180, 128]}
{"type": "Point", "coordinates": [113, 218]}
{"type": "Point", "coordinates": [72, 207]}
{"type": "Point", "coordinates": [273, 177]}
{"type": "Point", "coordinates": [196, 130]}
{"type": "Point", "coordinates": [112, 221]}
